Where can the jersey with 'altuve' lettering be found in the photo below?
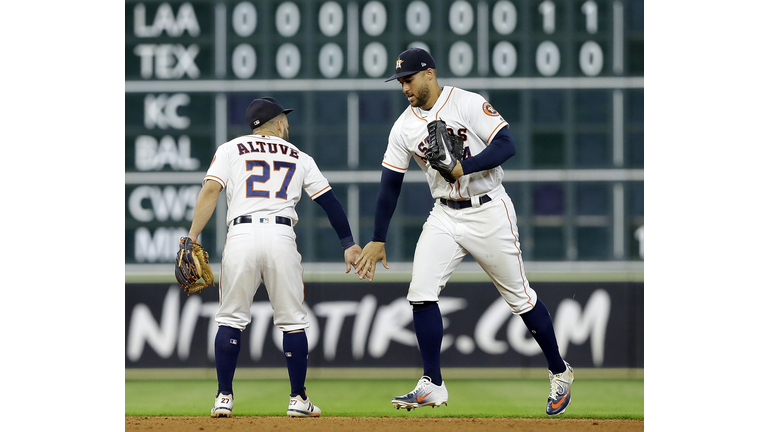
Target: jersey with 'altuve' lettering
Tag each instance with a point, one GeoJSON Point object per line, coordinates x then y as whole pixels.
{"type": "Point", "coordinates": [265, 175]}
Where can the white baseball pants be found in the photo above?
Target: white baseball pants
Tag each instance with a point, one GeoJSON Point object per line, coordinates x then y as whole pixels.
{"type": "Point", "coordinates": [489, 233]}
{"type": "Point", "coordinates": [256, 252]}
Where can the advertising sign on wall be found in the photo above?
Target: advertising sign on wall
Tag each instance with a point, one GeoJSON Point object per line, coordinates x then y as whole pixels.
{"type": "Point", "coordinates": [371, 325]}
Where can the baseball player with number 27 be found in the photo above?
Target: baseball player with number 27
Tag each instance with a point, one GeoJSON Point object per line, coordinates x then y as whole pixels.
{"type": "Point", "coordinates": [459, 141]}
{"type": "Point", "coordinates": [264, 176]}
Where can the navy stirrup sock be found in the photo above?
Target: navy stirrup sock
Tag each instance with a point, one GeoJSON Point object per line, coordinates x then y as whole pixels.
{"type": "Point", "coordinates": [226, 348]}
{"type": "Point", "coordinates": [539, 323]}
{"type": "Point", "coordinates": [296, 348]}
{"type": "Point", "coordinates": [428, 323]}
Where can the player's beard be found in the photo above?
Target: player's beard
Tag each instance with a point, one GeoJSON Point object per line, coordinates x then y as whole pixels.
{"type": "Point", "coordinates": [284, 134]}
{"type": "Point", "coordinates": [421, 96]}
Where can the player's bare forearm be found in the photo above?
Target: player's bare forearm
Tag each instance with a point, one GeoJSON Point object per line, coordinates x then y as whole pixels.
{"type": "Point", "coordinates": [372, 253]}
{"type": "Point", "coordinates": [458, 171]}
{"type": "Point", "coordinates": [350, 255]}
{"type": "Point", "coordinates": [206, 204]}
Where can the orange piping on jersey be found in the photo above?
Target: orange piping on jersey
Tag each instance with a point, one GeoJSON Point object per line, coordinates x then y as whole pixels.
{"type": "Point", "coordinates": [222, 181]}
{"type": "Point", "coordinates": [417, 116]}
{"type": "Point", "coordinates": [395, 167]}
{"type": "Point", "coordinates": [446, 101]}
{"type": "Point", "coordinates": [321, 191]}
{"type": "Point", "coordinates": [458, 189]}
{"type": "Point", "coordinates": [493, 134]}
{"type": "Point", "coordinates": [519, 255]}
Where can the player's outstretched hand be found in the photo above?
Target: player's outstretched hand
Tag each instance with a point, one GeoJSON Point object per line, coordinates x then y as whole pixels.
{"type": "Point", "coordinates": [350, 255]}
{"type": "Point", "coordinates": [366, 262]}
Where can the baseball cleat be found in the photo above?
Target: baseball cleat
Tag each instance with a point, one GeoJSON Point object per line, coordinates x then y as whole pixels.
{"type": "Point", "coordinates": [559, 391]}
{"type": "Point", "coordinates": [222, 407]}
{"type": "Point", "coordinates": [298, 407]}
{"type": "Point", "coordinates": [425, 394]}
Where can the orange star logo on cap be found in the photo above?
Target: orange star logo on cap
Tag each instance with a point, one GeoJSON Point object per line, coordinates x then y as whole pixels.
{"type": "Point", "coordinates": [399, 62]}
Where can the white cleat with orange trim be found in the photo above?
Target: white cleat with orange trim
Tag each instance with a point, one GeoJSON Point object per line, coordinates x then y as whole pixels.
{"type": "Point", "coordinates": [425, 394]}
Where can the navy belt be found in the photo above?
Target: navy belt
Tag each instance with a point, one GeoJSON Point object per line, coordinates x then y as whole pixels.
{"type": "Point", "coordinates": [247, 219]}
{"type": "Point", "coordinates": [458, 205]}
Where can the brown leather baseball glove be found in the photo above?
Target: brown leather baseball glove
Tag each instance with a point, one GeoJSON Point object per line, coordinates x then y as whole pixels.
{"type": "Point", "coordinates": [192, 269]}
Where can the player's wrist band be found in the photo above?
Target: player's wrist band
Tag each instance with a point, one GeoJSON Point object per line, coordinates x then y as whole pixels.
{"type": "Point", "coordinates": [347, 242]}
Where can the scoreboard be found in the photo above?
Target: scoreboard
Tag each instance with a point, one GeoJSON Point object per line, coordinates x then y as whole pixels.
{"type": "Point", "coordinates": [566, 75]}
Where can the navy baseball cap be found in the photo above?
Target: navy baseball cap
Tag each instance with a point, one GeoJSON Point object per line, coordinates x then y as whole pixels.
{"type": "Point", "coordinates": [262, 110]}
{"type": "Point", "coordinates": [411, 61]}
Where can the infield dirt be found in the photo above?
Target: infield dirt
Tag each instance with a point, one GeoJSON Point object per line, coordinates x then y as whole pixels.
{"type": "Point", "coordinates": [373, 424]}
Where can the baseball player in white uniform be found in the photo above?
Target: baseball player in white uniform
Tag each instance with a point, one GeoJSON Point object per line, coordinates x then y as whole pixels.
{"type": "Point", "coordinates": [473, 215]}
{"type": "Point", "coordinates": [264, 175]}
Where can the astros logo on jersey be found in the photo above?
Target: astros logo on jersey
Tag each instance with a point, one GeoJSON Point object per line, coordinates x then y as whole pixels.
{"type": "Point", "coordinates": [399, 63]}
{"type": "Point", "coordinates": [488, 109]}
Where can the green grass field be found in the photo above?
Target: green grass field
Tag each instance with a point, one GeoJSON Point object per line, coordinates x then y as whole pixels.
{"type": "Point", "coordinates": [591, 398]}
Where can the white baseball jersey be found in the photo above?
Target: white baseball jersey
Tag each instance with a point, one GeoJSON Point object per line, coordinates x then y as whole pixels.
{"type": "Point", "coordinates": [487, 231]}
{"type": "Point", "coordinates": [465, 114]}
{"type": "Point", "coordinates": [264, 177]}
{"type": "Point", "coordinates": [256, 169]}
